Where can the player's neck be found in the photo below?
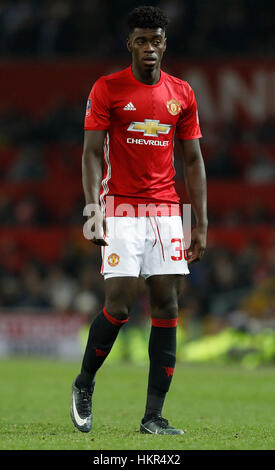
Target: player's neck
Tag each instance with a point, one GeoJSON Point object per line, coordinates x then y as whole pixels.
{"type": "Point", "coordinates": [148, 77]}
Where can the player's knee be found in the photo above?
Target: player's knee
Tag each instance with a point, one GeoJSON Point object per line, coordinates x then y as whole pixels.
{"type": "Point", "coordinates": [166, 309]}
{"type": "Point", "coordinates": [119, 311]}
{"type": "Point", "coordinates": [120, 294]}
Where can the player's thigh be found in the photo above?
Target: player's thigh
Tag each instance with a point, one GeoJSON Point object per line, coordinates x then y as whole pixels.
{"type": "Point", "coordinates": [164, 291]}
{"type": "Point", "coordinates": [120, 294]}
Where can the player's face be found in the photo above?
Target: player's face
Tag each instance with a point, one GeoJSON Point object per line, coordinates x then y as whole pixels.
{"type": "Point", "coordinates": [147, 47]}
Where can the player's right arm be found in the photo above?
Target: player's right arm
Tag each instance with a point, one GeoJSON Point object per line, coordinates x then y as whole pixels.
{"type": "Point", "coordinates": [97, 122]}
{"type": "Point", "coordinates": [92, 158]}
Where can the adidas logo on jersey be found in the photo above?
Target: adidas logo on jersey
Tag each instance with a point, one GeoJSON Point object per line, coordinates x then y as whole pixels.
{"type": "Point", "coordinates": [129, 107]}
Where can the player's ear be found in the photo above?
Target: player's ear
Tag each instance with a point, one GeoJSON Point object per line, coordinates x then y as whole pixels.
{"type": "Point", "coordinates": [165, 44]}
{"type": "Point", "coordinates": [128, 44]}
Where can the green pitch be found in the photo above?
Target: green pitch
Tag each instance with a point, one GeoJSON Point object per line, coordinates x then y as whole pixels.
{"type": "Point", "coordinates": [218, 407]}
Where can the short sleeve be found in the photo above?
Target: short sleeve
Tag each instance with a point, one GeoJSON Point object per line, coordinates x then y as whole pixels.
{"type": "Point", "coordinates": [98, 107]}
{"type": "Point", "coordinates": [188, 126]}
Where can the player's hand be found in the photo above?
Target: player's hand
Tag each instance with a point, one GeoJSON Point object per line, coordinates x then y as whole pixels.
{"type": "Point", "coordinates": [198, 244]}
{"type": "Point", "coordinates": [99, 229]}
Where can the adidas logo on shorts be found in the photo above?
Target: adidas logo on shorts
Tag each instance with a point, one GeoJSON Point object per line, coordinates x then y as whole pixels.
{"type": "Point", "coordinates": [129, 107]}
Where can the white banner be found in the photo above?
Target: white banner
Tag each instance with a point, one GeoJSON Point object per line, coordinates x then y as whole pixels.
{"type": "Point", "coordinates": [41, 334]}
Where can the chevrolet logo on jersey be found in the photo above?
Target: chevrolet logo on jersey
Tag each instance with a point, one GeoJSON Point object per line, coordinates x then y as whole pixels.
{"type": "Point", "coordinates": [150, 127]}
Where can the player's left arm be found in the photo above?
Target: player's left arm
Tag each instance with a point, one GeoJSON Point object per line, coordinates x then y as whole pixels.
{"type": "Point", "coordinates": [195, 182]}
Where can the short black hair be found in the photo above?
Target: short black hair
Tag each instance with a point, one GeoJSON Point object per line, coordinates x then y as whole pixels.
{"type": "Point", "coordinates": [147, 17]}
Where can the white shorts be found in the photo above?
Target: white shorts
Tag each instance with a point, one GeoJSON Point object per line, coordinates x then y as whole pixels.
{"type": "Point", "coordinates": [145, 246]}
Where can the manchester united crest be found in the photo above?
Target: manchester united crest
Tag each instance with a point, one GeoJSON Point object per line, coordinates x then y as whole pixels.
{"type": "Point", "coordinates": [113, 259]}
{"type": "Point", "coordinates": [173, 107]}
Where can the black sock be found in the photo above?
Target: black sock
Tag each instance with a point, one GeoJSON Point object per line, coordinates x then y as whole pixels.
{"type": "Point", "coordinates": [102, 335]}
{"type": "Point", "coordinates": [162, 354]}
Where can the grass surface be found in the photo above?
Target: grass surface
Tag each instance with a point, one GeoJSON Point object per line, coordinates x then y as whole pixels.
{"type": "Point", "coordinates": [218, 407]}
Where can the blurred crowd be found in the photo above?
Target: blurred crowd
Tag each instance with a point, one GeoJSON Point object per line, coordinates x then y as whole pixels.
{"type": "Point", "coordinates": [70, 283]}
{"type": "Point", "coordinates": [96, 28]}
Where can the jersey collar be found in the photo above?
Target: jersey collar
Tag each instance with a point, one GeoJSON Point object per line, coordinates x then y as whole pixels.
{"type": "Point", "coordinates": [144, 84]}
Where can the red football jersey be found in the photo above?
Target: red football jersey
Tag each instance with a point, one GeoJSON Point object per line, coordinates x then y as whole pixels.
{"type": "Point", "coordinates": [141, 121]}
